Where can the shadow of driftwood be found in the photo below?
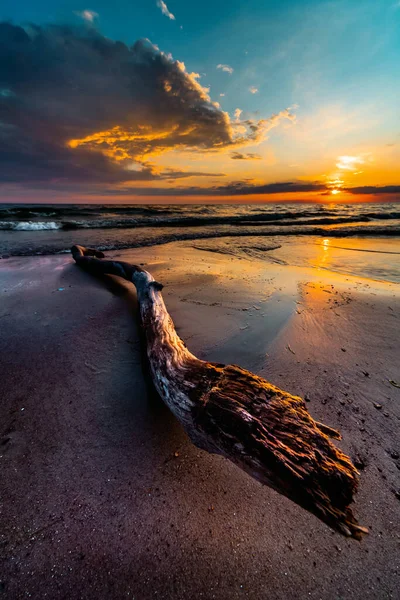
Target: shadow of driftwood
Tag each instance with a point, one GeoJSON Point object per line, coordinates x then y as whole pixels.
{"type": "Point", "coordinates": [126, 291]}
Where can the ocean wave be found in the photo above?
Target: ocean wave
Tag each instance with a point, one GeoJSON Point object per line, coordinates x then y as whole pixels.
{"type": "Point", "coordinates": [86, 216]}
{"type": "Point", "coordinates": [29, 225]}
{"type": "Point", "coordinates": [258, 220]}
{"type": "Point", "coordinates": [49, 229]}
{"type": "Point", "coordinates": [94, 238]}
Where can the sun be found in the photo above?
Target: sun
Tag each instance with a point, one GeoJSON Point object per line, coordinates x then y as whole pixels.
{"type": "Point", "coordinates": [334, 192]}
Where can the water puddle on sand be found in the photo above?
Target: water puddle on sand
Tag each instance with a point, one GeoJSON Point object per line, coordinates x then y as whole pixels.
{"type": "Point", "coordinates": [278, 271]}
{"type": "Point", "coordinates": [377, 259]}
{"type": "Point", "coordinates": [374, 258]}
{"type": "Point", "coordinates": [262, 324]}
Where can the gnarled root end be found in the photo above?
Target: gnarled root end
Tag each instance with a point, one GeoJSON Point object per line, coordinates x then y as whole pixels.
{"type": "Point", "coordinates": [80, 251]}
{"type": "Point", "coordinates": [88, 259]}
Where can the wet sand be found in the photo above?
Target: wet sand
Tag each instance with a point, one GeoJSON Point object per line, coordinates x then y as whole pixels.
{"type": "Point", "coordinates": [103, 495]}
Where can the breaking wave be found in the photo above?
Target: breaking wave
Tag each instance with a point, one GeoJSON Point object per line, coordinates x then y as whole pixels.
{"type": "Point", "coordinates": [29, 225]}
{"type": "Point", "coordinates": [44, 229]}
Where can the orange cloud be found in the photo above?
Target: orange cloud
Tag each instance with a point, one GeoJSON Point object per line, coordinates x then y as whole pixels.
{"type": "Point", "coordinates": [123, 145]}
{"type": "Point", "coordinates": [141, 142]}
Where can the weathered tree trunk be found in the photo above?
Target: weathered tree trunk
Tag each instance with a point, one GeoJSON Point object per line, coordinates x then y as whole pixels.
{"type": "Point", "coordinates": [229, 411]}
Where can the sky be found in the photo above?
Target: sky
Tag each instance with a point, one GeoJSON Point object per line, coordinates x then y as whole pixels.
{"type": "Point", "coordinates": [153, 101]}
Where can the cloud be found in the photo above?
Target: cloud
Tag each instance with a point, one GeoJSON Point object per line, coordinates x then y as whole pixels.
{"type": "Point", "coordinates": [246, 156]}
{"type": "Point", "coordinates": [222, 95]}
{"type": "Point", "coordinates": [253, 90]}
{"type": "Point", "coordinates": [349, 163]}
{"type": "Point", "coordinates": [247, 188]}
{"type": "Point", "coordinates": [164, 9]}
{"type": "Point", "coordinates": [87, 15]}
{"type": "Point", "coordinates": [237, 114]}
{"type": "Point", "coordinates": [225, 68]}
{"type": "Point", "coordinates": [237, 188]}
{"type": "Point", "coordinates": [286, 187]}
{"type": "Point", "coordinates": [80, 107]}
{"type": "Point", "coordinates": [374, 189]}
{"type": "Point", "coordinates": [250, 130]}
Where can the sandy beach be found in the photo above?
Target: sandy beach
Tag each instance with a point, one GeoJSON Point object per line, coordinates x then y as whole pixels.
{"type": "Point", "coordinates": [104, 496]}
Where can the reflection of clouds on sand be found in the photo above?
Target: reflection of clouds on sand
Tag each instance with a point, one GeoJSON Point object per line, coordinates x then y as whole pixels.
{"type": "Point", "coordinates": [375, 259]}
{"type": "Point", "coordinates": [359, 257]}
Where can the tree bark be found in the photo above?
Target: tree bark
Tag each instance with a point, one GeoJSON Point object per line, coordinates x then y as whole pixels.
{"type": "Point", "coordinates": [229, 411]}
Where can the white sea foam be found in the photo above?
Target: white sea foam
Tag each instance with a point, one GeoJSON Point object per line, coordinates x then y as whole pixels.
{"type": "Point", "coordinates": [29, 225]}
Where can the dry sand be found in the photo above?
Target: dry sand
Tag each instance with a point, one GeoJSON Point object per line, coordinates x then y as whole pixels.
{"type": "Point", "coordinates": [103, 495]}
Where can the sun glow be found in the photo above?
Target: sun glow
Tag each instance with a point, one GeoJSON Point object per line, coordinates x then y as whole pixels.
{"type": "Point", "coordinates": [349, 163]}
{"type": "Point", "coordinates": [334, 192]}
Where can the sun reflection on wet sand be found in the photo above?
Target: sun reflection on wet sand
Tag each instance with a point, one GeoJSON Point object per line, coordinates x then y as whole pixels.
{"type": "Point", "coordinates": [323, 258]}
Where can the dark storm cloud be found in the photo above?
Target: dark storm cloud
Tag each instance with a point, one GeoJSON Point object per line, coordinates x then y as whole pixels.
{"type": "Point", "coordinates": [375, 189]}
{"type": "Point", "coordinates": [239, 188]}
{"type": "Point", "coordinates": [244, 188]}
{"type": "Point", "coordinates": [78, 107]}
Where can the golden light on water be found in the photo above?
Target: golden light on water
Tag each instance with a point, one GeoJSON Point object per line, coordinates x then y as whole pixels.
{"type": "Point", "coordinates": [320, 261]}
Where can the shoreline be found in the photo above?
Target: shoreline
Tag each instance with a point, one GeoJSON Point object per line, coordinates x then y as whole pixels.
{"type": "Point", "coordinates": [275, 249]}
{"type": "Point", "coordinates": [48, 242]}
{"type": "Point", "coordinates": [104, 494]}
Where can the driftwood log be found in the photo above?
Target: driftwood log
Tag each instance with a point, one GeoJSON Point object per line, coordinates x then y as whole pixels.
{"type": "Point", "coordinates": [229, 411]}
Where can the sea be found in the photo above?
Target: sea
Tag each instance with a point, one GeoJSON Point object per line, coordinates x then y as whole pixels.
{"type": "Point", "coordinates": [39, 229]}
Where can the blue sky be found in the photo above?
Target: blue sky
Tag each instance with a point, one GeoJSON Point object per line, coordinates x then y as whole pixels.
{"type": "Point", "coordinates": [346, 48]}
{"type": "Point", "coordinates": [336, 64]}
